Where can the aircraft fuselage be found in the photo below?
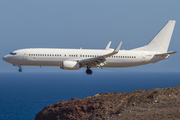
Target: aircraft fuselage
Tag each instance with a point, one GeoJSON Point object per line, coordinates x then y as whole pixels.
{"type": "Point", "coordinates": [55, 57]}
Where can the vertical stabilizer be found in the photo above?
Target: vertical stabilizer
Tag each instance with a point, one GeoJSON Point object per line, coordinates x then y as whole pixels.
{"type": "Point", "coordinates": [160, 42]}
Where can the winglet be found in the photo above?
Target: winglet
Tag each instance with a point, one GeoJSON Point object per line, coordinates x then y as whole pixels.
{"type": "Point", "coordinates": [107, 47]}
{"type": "Point", "coordinates": [117, 48]}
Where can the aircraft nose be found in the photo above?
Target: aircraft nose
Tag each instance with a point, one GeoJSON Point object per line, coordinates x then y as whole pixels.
{"type": "Point", "coordinates": [5, 58]}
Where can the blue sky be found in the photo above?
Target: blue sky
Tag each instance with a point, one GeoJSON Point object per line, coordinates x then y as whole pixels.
{"type": "Point", "coordinates": [88, 24]}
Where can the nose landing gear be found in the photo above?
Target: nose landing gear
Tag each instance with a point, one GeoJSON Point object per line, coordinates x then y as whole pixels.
{"type": "Point", "coordinates": [20, 69]}
{"type": "Point", "coordinates": [89, 71]}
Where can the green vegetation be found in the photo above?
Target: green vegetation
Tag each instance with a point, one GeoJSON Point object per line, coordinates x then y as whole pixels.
{"type": "Point", "coordinates": [174, 98]}
{"type": "Point", "coordinates": [165, 99]}
{"type": "Point", "coordinates": [144, 100]}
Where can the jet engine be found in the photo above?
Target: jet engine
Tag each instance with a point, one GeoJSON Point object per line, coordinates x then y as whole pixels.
{"type": "Point", "coordinates": [70, 65]}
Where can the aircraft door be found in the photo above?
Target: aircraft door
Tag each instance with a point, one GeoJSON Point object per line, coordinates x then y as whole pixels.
{"type": "Point", "coordinates": [24, 55]}
{"type": "Point", "coordinates": [143, 58]}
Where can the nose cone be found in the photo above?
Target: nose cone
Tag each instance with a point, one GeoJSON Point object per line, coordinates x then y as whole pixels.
{"type": "Point", "coordinates": [5, 58]}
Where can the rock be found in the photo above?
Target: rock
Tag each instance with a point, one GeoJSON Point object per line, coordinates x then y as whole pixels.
{"type": "Point", "coordinates": [133, 103]}
{"type": "Point", "coordinates": [139, 104]}
{"type": "Point", "coordinates": [74, 99]}
{"type": "Point", "coordinates": [96, 95]}
{"type": "Point", "coordinates": [155, 101]}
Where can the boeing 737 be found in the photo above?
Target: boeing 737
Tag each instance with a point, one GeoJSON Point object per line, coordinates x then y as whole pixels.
{"type": "Point", "coordinates": [74, 59]}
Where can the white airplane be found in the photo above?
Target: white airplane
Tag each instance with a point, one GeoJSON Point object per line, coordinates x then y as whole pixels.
{"type": "Point", "coordinates": [74, 59]}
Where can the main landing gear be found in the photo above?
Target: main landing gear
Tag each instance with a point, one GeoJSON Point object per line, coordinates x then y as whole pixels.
{"type": "Point", "coordinates": [20, 70]}
{"type": "Point", "coordinates": [89, 71]}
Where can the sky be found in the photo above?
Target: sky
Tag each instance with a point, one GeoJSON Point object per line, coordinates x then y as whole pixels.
{"type": "Point", "coordinates": [89, 24]}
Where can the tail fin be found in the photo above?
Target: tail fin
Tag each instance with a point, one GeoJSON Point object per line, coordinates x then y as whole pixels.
{"type": "Point", "coordinates": [160, 42]}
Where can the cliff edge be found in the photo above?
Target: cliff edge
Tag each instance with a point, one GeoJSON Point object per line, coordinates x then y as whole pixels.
{"type": "Point", "coordinates": [154, 104]}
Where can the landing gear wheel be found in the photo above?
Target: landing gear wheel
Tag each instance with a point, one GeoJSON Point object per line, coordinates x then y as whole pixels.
{"type": "Point", "coordinates": [20, 70]}
{"type": "Point", "coordinates": [89, 72]}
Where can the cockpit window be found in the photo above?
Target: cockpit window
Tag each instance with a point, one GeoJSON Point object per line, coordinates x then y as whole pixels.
{"type": "Point", "coordinates": [12, 53]}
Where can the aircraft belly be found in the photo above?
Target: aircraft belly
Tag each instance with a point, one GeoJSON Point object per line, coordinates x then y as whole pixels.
{"type": "Point", "coordinates": [118, 64]}
{"type": "Point", "coordinates": [123, 63]}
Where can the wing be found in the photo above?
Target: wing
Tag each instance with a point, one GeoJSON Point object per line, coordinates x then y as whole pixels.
{"type": "Point", "coordinates": [100, 60]}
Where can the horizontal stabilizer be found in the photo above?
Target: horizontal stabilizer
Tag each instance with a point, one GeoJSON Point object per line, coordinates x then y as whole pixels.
{"type": "Point", "coordinates": [168, 53]}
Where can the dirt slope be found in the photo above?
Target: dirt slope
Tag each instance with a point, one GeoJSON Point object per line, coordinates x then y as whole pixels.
{"type": "Point", "coordinates": [155, 104]}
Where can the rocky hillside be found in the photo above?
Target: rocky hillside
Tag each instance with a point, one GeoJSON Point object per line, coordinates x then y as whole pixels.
{"type": "Point", "coordinates": [153, 104]}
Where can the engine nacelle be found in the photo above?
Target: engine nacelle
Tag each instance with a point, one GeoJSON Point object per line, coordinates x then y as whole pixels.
{"type": "Point", "coordinates": [70, 65]}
